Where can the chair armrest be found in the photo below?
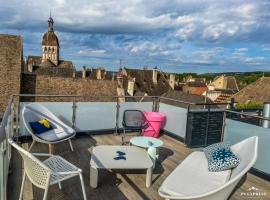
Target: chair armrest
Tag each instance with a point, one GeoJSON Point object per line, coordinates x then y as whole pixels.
{"type": "Point", "coordinates": [42, 154]}
{"type": "Point", "coordinates": [167, 196]}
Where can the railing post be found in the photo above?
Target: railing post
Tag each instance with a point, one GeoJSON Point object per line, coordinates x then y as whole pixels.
{"type": "Point", "coordinates": [207, 125]}
{"type": "Point", "coordinates": [223, 125]}
{"type": "Point", "coordinates": [155, 105]}
{"type": "Point", "coordinates": [158, 104]}
{"type": "Point", "coordinates": [2, 172]}
{"type": "Point", "coordinates": [74, 108]}
{"type": "Point", "coordinates": [17, 113]}
{"type": "Point", "coordinates": [232, 104]}
{"type": "Point", "coordinates": [117, 117]}
{"type": "Point", "coordinates": [185, 138]}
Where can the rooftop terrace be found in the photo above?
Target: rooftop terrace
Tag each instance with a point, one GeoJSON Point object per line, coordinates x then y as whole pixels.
{"type": "Point", "coordinates": [115, 185]}
{"type": "Point", "coordinates": [93, 119]}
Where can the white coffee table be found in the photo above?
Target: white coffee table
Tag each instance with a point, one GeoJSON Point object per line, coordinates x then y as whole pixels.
{"type": "Point", "coordinates": [103, 158]}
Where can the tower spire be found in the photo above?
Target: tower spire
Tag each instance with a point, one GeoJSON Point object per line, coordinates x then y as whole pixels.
{"type": "Point", "coordinates": [50, 23]}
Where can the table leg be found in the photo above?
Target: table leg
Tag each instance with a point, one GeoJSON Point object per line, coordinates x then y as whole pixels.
{"type": "Point", "coordinates": [149, 177]}
{"type": "Point", "coordinates": [157, 152]}
{"type": "Point", "coordinates": [93, 177]}
{"type": "Point", "coordinates": [152, 152]}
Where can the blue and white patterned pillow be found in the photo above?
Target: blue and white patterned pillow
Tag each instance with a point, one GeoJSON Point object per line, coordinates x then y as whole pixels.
{"type": "Point", "coordinates": [220, 157]}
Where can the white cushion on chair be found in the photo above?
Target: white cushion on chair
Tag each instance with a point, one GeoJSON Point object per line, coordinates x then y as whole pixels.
{"type": "Point", "coordinates": [54, 135]}
{"type": "Point", "coordinates": [192, 177]}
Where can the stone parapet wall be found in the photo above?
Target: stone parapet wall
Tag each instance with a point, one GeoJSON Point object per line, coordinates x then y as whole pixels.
{"type": "Point", "coordinates": [40, 84]}
{"type": "Point", "coordinates": [11, 63]}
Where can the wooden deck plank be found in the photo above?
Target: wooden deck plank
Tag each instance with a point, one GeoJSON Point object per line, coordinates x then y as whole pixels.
{"type": "Point", "coordinates": [117, 185]}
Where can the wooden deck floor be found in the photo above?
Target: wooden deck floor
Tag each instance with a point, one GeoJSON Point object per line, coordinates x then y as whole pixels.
{"type": "Point", "coordinates": [115, 186]}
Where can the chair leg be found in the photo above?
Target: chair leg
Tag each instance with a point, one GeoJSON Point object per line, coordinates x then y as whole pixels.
{"type": "Point", "coordinates": [51, 147]}
{"type": "Point", "coordinates": [60, 185]}
{"type": "Point", "coordinates": [45, 193]}
{"type": "Point", "coordinates": [23, 180]}
{"type": "Point", "coordinates": [83, 188]}
{"type": "Point", "coordinates": [70, 144]}
{"type": "Point", "coordinates": [31, 146]}
{"type": "Point", "coordinates": [123, 136]}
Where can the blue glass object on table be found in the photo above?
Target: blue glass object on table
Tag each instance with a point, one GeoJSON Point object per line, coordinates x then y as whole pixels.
{"type": "Point", "coordinates": [120, 155]}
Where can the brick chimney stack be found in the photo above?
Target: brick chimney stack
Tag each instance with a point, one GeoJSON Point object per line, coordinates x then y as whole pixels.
{"type": "Point", "coordinates": [84, 72]}
{"type": "Point", "coordinates": [155, 74]}
{"type": "Point", "coordinates": [131, 84]}
{"type": "Point", "coordinates": [172, 81]}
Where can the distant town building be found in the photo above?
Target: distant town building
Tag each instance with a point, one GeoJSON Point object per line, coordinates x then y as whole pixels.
{"type": "Point", "coordinates": [222, 88]}
{"type": "Point", "coordinates": [224, 83]}
{"type": "Point", "coordinates": [196, 87]}
{"type": "Point", "coordinates": [192, 79]}
{"type": "Point", "coordinates": [144, 82]}
{"type": "Point", "coordinates": [49, 63]}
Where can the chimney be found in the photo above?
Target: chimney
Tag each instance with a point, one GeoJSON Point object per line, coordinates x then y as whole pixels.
{"type": "Point", "coordinates": [84, 72]}
{"type": "Point", "coordinates": [120, 89]}
{"type": "Point", "coordinates": [120, 82]}
{"type": "Point", "coordinates": [172, 80]}
{"type": "Point", "coordinates": [30, 67]}
{"type": "Point", "coordinates": [131, 84]}
{"type": "Point", "coordinates": [74, 73]}
{"type": "Point", "coordinates": [155, 73]}
{"type": "Point", "coordinates": [99, 74]}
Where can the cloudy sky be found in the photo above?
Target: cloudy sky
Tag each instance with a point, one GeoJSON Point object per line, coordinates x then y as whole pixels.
{"type": "Point", "coordinates": [175, 35]}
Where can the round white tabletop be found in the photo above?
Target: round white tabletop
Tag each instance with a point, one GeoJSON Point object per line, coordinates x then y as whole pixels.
{"type": "Point", "coordinates": [146, 142]}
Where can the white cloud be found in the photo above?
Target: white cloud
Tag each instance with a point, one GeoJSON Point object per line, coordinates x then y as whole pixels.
{"type": "Point", "coordinates": [91, 52]}
{"type": "Point", "coordinates": [150, 30]}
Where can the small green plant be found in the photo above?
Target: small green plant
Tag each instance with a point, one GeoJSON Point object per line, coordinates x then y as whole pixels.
{"type": "Point", "coordinates": [249, 105]}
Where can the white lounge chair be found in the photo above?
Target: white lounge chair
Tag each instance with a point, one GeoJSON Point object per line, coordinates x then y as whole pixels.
{"type": "Point", "coordinates": [45, 173]}
{"type": "Point", "coordinates": [61, 132]}
{"type": "Point", "coordinates": [192, 180]}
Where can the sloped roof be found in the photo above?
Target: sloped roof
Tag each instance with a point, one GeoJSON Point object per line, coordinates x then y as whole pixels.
{"type": "Point", "coordinates": [258, 91]}
{"type": "Point", "coordinates": [34, 60]}
{"type": "Point", "coordinates": [47, 63]}
{"type": "Point", "coordinates": [144, 81]}
{"type": "Point", "coordinates": [65, 64]}
{"type": "Point", "coordinates": [196, 84]}
{"type": "Point", "coordinates": [179, 95]}
{"type": "Point", "coordinates": [231, 83]}
{"type": "Point", "coordinates": [223, 98]}
{"type": "Point", "coordinates": [50, 39]}
{"type": "Point", "coordinates": [65, 68]}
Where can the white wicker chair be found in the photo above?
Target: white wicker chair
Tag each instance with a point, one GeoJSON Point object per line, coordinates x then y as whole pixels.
{"type": "Point", "coordinates": [192, 180]}
{"type": "Point", "coordinates": [60, 132]}
{"type": "Point", "coordinates": [45, 173]}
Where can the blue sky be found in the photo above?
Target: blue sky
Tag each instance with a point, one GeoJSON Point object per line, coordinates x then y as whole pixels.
{"type": "Point", "coordinates": [175, 35]}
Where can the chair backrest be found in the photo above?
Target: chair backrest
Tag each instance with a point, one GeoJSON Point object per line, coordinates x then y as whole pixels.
{"type": "Point", "coordinates": [134, 119]}
{"type": "Point", "coordinates": [247, 151]}
{"type": "Point", "coordinates": [35, 111]}
{"type": "Point", "coordinates": [37, 172]}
